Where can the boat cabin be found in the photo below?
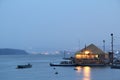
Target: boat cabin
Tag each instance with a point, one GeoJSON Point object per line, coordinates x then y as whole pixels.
{"type": "Point", "coordinates": [66, 62]}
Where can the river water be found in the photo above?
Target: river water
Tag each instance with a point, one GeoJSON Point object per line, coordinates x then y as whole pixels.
{"type": "Point", "coordinates": [42, 71]}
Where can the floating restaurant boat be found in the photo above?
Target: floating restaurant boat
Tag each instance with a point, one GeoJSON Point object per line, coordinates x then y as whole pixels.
{"type": "Point", "coordinates": [71, 63]}
{"type": "Point", "coordinates": [24, 66]}
{"type": "Point", "coordinates": [88, 56]}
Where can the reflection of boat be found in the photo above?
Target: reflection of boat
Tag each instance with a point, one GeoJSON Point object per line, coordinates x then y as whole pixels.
{"type": "Point", "coordinates": [24, 66]}
{"type": "Point", "coordinates": [64, 63]}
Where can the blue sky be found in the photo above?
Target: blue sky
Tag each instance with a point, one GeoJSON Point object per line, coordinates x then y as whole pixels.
{"type": "Point", "coordinates": [39, 25]}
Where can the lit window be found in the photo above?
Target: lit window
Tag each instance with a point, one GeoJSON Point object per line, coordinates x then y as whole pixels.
{"type": "Point", "coordinates": [96, 56]}
{"type": "Point", "coordinates": [87, 52]}
{"type": "Point", "coordinates": [78, 56]}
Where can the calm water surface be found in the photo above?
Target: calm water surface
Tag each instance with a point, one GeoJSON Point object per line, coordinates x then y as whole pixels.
{"type": "Point", "coordinates": [42, 71]}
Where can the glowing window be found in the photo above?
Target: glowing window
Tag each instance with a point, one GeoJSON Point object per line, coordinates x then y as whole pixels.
{"type": "Point", "coordinates": [87, 52]}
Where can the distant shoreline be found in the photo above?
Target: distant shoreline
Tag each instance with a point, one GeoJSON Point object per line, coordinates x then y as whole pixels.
{"type": "Point", "coordinates": [9, 51]}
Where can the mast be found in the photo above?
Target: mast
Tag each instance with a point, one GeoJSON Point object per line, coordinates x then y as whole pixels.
{"type": "Point", "coordinates": [104, 45]}
{"type": "Point", "coordinates": [112, 42]}
{"type": "Point", "coordinates": [112, 53]}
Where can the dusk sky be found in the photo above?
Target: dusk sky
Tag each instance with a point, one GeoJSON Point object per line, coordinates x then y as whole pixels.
{"type": "Point", "coordinates": [45, 25]}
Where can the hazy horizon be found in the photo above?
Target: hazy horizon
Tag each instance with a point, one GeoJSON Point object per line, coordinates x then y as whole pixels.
{"type": "Point", "coordinates": [46, 25]}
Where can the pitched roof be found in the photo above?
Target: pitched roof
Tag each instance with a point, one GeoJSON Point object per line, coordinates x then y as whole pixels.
{"type": "Point", "coordinates": [93, 49]}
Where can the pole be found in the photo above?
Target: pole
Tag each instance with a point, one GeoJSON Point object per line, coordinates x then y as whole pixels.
{"type": "Point", "coordinates": [104, 45]}
{"type": "Point", "coordinates": [112, 47]}
{"type": "Point", "coordinates": [112, 42]}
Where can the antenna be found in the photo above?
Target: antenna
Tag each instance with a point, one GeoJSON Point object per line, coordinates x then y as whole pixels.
{"type": "Point", "coordinates": [104, 45]}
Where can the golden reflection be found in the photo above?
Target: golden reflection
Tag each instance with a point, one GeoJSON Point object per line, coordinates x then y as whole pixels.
{"type": "Point", "coordinates": [86, 73]}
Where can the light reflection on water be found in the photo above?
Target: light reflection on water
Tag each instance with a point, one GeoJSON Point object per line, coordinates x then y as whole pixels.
{"type": "Point", "coordinates": [86, 71]}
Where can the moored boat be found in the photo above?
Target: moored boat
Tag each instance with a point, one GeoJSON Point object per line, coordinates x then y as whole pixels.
{"type": "Point", "coordinates": [64, 63]}
{"type": "Point", "coordinates": [24, 66]}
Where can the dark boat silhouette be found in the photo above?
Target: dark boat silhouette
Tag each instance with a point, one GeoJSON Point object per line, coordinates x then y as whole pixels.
{"type": "Point", "coordinates": [24, 66]}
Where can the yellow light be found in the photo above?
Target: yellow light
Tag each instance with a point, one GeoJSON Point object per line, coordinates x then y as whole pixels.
{"type": "Point", "coordinates": [96, 56]}
{"type": "Point", "coordinates": [78, 56]}
{"type": "Point", "coordinates": [87, 52]}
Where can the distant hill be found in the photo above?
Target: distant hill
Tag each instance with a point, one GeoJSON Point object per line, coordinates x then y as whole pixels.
{"type": "Point", "coordinates": [8, 51]}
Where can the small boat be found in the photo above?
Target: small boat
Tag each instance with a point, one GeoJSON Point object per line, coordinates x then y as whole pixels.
{"type": "Point", "coordinates": [24, 66]}
{"type": "Point", "coordinates": [115, 66]}
{"type": "Point", "coordinates": [64, 63]}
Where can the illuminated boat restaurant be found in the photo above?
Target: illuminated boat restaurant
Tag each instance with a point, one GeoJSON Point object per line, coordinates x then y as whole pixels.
{"type": "Point", "coordinates": [91, 54]}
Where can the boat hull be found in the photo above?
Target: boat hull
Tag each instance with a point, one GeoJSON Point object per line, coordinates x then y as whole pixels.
{"type": "Point", "coordinates": [115, 66]}
{"type": "Point", "coordinates": [51, 64]}
{"type": "Point", "coordinates": [92, 65]}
